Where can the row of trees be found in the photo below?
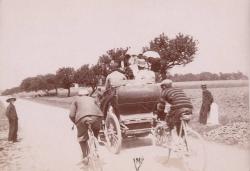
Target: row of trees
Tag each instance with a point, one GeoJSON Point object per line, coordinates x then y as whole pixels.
{"type": "Point", "coordinates": [180, 50]}
{"type": "Point", "coordinates": [206, 76]}
{"type": "Point", "coordinates": [86, 77]}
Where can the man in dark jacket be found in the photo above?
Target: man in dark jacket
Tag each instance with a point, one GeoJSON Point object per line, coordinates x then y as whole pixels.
{"type": "Point", "coordinates": [84, 110]}
{"type": "Point", "coordinates": [207, 100]}
{"type": "Point", "coordinates": [13, 120]}
{"type": "Point", "coordinates": [179, 104]}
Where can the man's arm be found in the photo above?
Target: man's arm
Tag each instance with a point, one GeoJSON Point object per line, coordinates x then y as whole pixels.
{"type": "Point", "coordinates": [72, 114]}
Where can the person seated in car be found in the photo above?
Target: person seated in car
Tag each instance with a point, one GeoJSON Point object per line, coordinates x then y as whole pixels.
{"type": "Point", "coordinates": [144, 74]}
{"type": "Point", "coordinates": [116, 77]}
{"type": "Point", "coordinates": [128, 69]}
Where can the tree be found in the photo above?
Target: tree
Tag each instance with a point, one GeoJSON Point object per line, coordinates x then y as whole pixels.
{"type": "Point", "coordinates": [94, 77]}
{"type": "Point", "coordinates": [88, 76]}
{"type": "Point", "coordinates": [104, 64]}
{"type": "Point", "coordinates": [51, 82]}
{"type": "Point", "coordinates": [31, 84]}
{"type": "Point", "coordinates": [81, 75]}
{"type": "Point", "coordinates": [11, 91]}
{"type": "Point", "coordinates": [177, 51]}
{"type": "Point", "coordinates": [117, 54]}
{"type": "Point", "coordinates": [26, 84]}
{"type": "Point", "coordinates": [65, 77]}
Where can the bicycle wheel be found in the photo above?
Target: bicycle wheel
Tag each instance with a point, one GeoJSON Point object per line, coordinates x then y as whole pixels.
{"type": "Point", "coordinates": [161, 135]}
{"type": "Point", "coordinates": [94, 163]}
{"type": "Point", "coordinates": [194, 152]}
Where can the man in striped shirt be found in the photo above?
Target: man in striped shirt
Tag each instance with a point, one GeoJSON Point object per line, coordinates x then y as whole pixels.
{"type": "Point", "coordinates": [180, 104]}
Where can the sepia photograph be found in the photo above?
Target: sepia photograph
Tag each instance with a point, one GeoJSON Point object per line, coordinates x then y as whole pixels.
{"type": "Point", "coordinates": [124, 85]}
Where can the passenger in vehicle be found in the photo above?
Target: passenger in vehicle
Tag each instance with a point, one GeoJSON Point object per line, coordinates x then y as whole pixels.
{"type": "Point", "coordinates": [128, 67]}
{"type": "Point", "coordinates": [116, 77]}
{"type": "Point", "coordinates": [144, 74]}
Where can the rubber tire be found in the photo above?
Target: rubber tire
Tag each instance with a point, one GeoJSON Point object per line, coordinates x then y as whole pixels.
{"type": "Point", "coordinates": [111, 117]}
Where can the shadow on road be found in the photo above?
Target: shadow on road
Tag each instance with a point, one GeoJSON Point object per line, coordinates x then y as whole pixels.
{"type": "Point", "coordinates": [135, 142]}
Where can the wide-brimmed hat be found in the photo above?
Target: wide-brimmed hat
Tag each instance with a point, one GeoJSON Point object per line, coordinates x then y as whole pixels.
{"type": "Point", "coordinates": [141, 63]}
{"type": "Point", "coordinates": [11, 99]}
{"type": "Point", "coordinates": [151, 54]}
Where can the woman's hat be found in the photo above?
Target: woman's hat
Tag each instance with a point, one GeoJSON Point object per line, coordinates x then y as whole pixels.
{"type": "Point", "coordinates": [152, 54]}
{"type": "Point", "coordinates": [11, 99]}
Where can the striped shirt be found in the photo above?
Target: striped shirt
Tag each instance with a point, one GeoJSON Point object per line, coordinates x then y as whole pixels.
{"type": "Point", "coordinates": [176, 97]}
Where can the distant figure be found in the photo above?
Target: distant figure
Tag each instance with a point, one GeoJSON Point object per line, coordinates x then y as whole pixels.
{"type": "Point", "coordinates": [144, 74]}
{"type": "Point", "coordinates": [84, 109]}
{"type": "Point", "coordinates": [13, 120]}
{"type": "Point", "coordinates": [207, 100]}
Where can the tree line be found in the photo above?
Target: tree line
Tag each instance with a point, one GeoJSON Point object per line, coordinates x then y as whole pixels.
{"type": "Point", "coordinates": [207, 76]}
{"type": "Point", "coordinates": [180, 50]}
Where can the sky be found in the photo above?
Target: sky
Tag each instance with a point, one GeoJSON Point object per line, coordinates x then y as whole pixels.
{"type": "Point", "coordinates": [40, 36]}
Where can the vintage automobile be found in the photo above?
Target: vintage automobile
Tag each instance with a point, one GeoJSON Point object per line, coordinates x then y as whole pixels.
{"type": "Point", "coordinates": [128, 111]}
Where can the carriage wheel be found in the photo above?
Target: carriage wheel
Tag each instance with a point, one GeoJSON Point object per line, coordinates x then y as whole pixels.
{"type": "Point", "coordinates": [113, 131]}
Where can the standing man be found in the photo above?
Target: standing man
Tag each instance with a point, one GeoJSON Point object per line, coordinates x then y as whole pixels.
{"type": "Point", "coordinates": [84, 110]}
{"type": "Point", "coordinates": [13, 120]}
{"type": "Point", "coordinates": [207, 100]}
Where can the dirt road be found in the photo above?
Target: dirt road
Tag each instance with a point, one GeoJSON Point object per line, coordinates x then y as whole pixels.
{"type": "Point", "coordinates": [47, 143]}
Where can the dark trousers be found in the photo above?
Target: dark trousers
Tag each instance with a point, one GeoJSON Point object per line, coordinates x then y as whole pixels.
{"type": "Point", "coordinates": [82, 131]}
{"type": "Point", "coordinates": [204, 112]}
{"type": "Point", "coordinates": [13, 128]}
{"type": "Point", "coordinates": [173, 119]}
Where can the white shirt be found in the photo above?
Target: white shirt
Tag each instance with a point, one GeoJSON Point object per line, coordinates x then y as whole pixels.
{"type": "Point", "coordinates": [144, 75]}
{"type": "Point", "coordinates": [114, 79]}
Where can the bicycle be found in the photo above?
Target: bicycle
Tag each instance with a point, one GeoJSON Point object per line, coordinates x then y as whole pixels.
{"type": "Point", "coordinates": [93, 157]}
{"type": "Point", "coordinates": [187, 144]}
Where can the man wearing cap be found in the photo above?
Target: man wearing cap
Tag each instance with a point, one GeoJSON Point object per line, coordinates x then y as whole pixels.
{"type": "Point", "coordinates": [179, 104]}
{"type": "Point", "coordinates": [144, 74]}
{"type": "Point", "coordinates": [207, 100]}
{"type": "Point", "coordinates": [85, 109]}
{"type": "Point", "coordinates": [13, 120]}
